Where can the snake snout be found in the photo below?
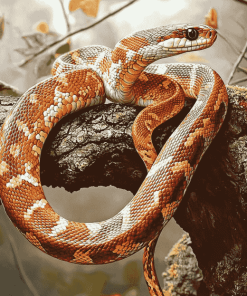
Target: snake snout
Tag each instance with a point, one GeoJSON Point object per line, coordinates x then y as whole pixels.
{"type": "Point", "coordinates": [212, 35]}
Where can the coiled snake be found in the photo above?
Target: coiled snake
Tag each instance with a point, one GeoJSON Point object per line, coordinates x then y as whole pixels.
{"type": "Point", "coordinates": [85, 77]}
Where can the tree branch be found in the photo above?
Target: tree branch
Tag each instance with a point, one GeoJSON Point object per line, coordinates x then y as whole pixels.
{"type": "Point", "coordinates": [74, 33]}
{"type": "Point", "coordinates": [65, 16]}
{"type": "Point", "coordinates": [94, 147]}
{"type": "Point", "coordinates": [236, 65]}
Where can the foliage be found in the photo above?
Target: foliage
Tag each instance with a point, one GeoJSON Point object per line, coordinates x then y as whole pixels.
{"type": "Point", "coordinates": [43, 27]}
{"type": "Point", "coordinates": [80, 282]}
{"type": "Point", "coordinates": [211, 18]}
{"type": "Point", "coordinates": [1, 26]}
{"type": "Point", "coordinates": [132, 274]}
{"type": "Point", "coordinates": [89, 7]}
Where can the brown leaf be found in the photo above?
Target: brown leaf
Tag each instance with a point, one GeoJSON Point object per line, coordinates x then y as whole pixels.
{"type": "Point", "coordinates": [35, 42]}
{"type": "Point", "coordinates": [211, 18]}
{"type": "Point", "coordinates": [1, 26]}
{"type": "Point", "coordinates": [34, 39]}
{"type": "Point", "coordinates": [43, 27]}
{"type": "Point", "coordinates": [89, 7]}
{"type": "Point", "coordinates": [8, 90]}
{"type": "Point", "coordinates": [63, 49]}
{"type": "Point", "coordinates": [43, 65]}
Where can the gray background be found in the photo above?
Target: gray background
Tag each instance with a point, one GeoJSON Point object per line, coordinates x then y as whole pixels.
{"type": "Point", "coordinates": [50, 276]}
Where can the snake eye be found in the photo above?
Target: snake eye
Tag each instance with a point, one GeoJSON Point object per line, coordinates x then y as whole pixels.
{"type": "Point", "coordinates": [192, 34]}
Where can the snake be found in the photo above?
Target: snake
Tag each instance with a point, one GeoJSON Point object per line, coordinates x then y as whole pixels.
{"type": "Point", "coordinates": [86, 77]}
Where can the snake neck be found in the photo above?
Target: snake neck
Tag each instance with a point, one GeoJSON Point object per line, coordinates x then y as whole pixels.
{"type": "Point", "coordinates": [122, 69]}
{"type": "Point", "coordinates": [127, 61]}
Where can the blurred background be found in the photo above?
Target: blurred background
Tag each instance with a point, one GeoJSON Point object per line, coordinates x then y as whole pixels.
{"type": "Point", "coordinates": [32, 34]}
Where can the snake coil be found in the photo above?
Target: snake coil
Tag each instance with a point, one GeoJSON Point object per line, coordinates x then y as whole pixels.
{"type": "Point", "coordinates": [85, 77]}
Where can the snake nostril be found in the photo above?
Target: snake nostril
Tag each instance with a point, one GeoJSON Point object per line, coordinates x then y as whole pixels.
{"type": "Point", "coordinates": [192, 34]}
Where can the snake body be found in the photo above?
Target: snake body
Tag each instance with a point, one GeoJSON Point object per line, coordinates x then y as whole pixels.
{"type": "Point", "coordinates": [85, 77]}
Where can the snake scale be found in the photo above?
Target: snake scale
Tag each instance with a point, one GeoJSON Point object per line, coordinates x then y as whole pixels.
{"type": "Point", "coordinates": [86, 77]}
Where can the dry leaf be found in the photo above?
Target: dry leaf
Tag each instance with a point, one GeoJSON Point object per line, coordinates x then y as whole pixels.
{"type": "Point", "coordinates": [43, 65]}
{"type": "Point", "coordinates": [35, 42]}
{"type": "Point", "coordinates": [34, 39]}
{"type": "Point", "coordinates": [1, 27]}
{"type": "Point", "coordinates": [243, 69]}
{"type": "Point", "coordinates": [63, 48]}
{"type": "Point", "coordinates": [89, 7]}
{"type": "Point", "coordinates": [8, 90]}
{"type": "Point", "coordinates": [42, 27]}
{"type": "Point", "coordinates": [211, 18]}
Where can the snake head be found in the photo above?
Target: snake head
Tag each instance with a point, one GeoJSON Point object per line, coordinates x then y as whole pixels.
{"type": "Point", "coordinates": [161, 42]}
{"type": "Point", "coordinates": [183, 38]}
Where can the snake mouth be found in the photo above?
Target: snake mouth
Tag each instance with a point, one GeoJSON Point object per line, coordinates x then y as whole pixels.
{"type": "Point", "coordinates": [191, 40]}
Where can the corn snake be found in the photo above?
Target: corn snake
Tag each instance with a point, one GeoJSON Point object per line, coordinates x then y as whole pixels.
{"type": "Point", "coordinates": [85, 77]}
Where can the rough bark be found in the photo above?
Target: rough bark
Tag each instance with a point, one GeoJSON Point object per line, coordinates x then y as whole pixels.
{"type": "Point", "coordinates": [94, 147]}
{"type": "Point", "coordinates": [214, 208]}
{"type": "Point", "coordinates": [182, 275]}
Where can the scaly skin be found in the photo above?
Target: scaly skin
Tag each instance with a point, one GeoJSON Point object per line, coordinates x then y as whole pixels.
{"type": "Point", "coordinates": [85, 77]}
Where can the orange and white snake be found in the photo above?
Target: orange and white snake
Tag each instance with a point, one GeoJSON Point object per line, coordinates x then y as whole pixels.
{"type": "Point", "coordinates": [85, 77]}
